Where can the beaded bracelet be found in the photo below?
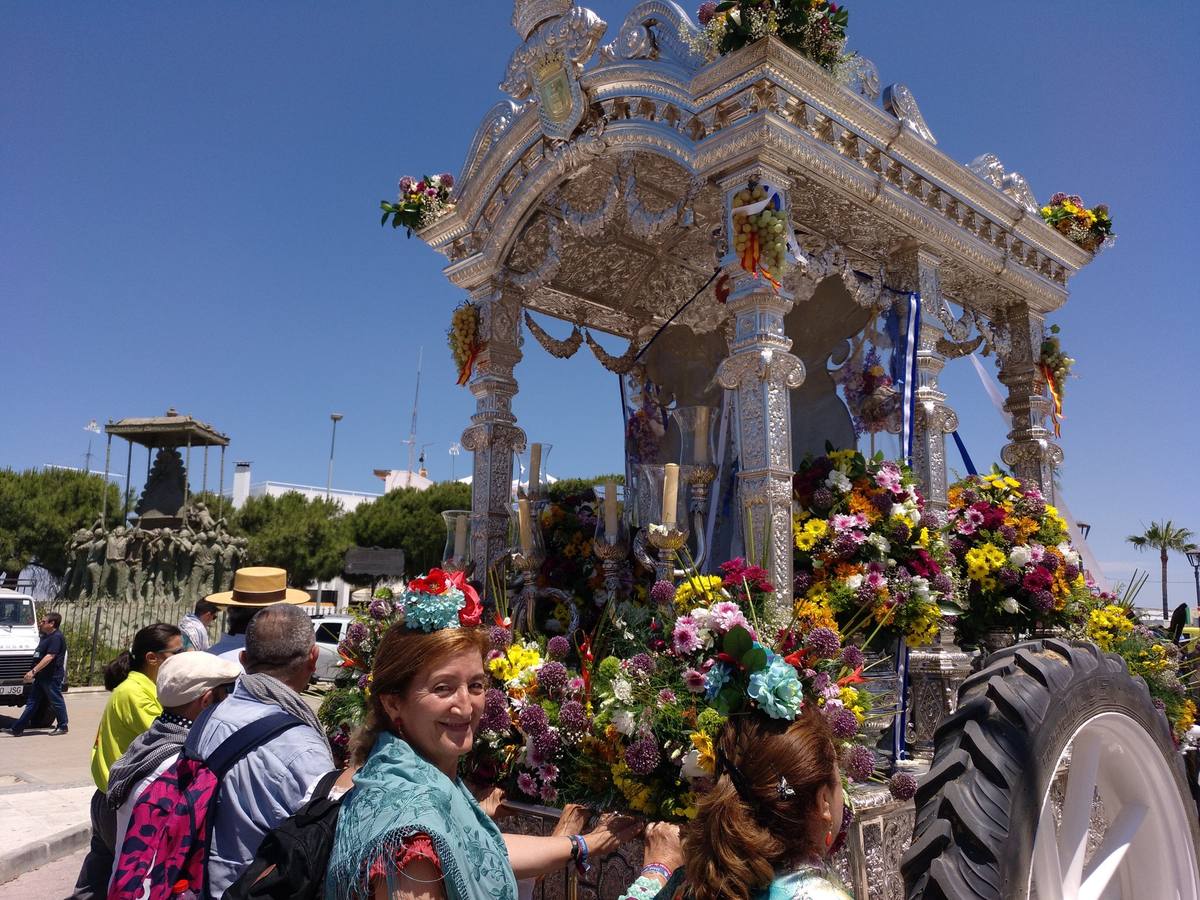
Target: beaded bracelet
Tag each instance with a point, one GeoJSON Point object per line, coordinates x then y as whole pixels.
{"type": "Point", "coordinates": [657, 869]}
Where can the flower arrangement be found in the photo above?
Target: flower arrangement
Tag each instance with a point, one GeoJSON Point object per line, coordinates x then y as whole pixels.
{"type": "Point", "coordinates": [1055, 367]}
{"type": "Point", "coordinates": [676, 674]}
{"type": "Point", "coordinates": [1113, 629]}
{"type": "Point", "coordinates": [872, 399]}
{"type": "Point", "coordinates": [1018, 569]}
{"type": "Point", "coordinates": [866, 554]}
{"type": "Point", "coordinates": [419, 202]}
{"type": "Point", "coordinates": [816, 28]}
{"type": "Point", "coordinates": [1091, 228]}
{"type": "Point", "coordinates": [464, 340]}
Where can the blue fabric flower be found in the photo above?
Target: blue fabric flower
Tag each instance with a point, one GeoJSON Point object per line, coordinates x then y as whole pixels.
{"type": "Point", "coordinates": [430, 612]}
{"type": "Point", "coordinates": [777, 690]}
{"type": "Point", "coordinates": [717, 677]}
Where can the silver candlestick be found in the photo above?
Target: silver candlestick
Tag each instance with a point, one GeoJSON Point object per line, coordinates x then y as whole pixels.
{"type": "Point", "coordinates": [667, 539]}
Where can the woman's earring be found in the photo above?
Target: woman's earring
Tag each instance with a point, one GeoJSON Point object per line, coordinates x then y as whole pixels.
{"type": "Point", "coordinates": [828, 839]}
{"type": "Point", "coordinates": [398, 726]}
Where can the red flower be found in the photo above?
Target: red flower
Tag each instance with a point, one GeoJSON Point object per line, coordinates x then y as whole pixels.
{"type": "Point", "coordinates": [795, 660]}
{"type": "Point", "coordinates": [435, 582]}
{"type": "Point", "coordinates": [854, 677]}
{"type": "Point", "coordinates": [471, 613]}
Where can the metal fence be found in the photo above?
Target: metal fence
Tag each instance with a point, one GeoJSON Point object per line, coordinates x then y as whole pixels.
{"type": "Point", "coordinates": [97, 631]}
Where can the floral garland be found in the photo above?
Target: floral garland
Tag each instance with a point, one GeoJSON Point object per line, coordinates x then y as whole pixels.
{"type": "Point", "coordinates": [419, 203]}
{"type": "Point", "coordinates": [871, 397]}
{"type": "Point", "coordinates": [1091, 228]}
{"type": "Point", "coordinates": [1055, 367]}
{"type": "Point", "coordinates": [1018, 568]}
{"type": "Point", "coordinates": [866, 551]}
{"type": "Point", "coordinates": [1113, 629]}
{"type": "Point", "coordinates": [815, 28]}
{"type": "Point", "coordinates": [464, 340]}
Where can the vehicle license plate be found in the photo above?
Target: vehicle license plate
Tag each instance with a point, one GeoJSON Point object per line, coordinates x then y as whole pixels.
{"type": "Point", "coordinates": [11, 688]}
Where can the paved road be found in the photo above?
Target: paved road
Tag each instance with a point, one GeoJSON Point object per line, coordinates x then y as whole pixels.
{"type": "Point", "coordinates": [37, 758]}
{"type": "Point", "coordinates": [51, 882]}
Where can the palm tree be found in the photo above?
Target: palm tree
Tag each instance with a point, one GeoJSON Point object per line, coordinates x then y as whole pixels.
{"type": "Point", "coordinates": [1163, 537]}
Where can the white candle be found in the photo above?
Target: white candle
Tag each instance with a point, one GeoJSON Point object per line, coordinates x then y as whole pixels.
{"type": "Point", "coordinates": [670, 493]}
{"type": "Point", "coordinates": [610, 509]}
{"type": "Point", "coordinates": [535, 470]}
{"type": "Point", "coordinates": [702, 436]}
{"type": "Point", "coordinates": [460, 537]}
{"type": "Point", "coordinates": [523, 524]}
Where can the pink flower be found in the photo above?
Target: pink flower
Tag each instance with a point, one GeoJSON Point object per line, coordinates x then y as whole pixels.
{"type": "Point", "coordinates": [1036, 553]}
{"type": "Point", "coordinates": [694, 680]}
{"type": "Point", "coordinates": [549, 794]}
{"type": "Point", "coordinates": [686, 639]}
{"type": "Point", "coordinates": [842, 522]}
{"type": "Point", "coordinates": [447, 180]}
{"type": "Point", "coordinates": [727, 615]}
{"type": "Point", "coordinates": [406, 184]}
{"type": "Point", "coordinates": [548, 773]}
{"type": "Point", "coordinates": [527, 785]}
{"type": "Point", "coordinates": [665, 696]}
{"type": "Point", "coordinates": [888, 478]}
{"type": "Point", "coordinates": [706, 11]}
{"type": "Point", "coordinates": [575, 685]}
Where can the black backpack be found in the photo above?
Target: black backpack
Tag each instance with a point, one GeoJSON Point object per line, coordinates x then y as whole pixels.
{"type": "Point", "coordinates": [291, 861]}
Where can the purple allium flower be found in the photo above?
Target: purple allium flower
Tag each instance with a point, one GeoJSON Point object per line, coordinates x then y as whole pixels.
{"type": "Point", "coordinates": [495, 711]}
{"type": "Point", "coordinates": [558, 647]}
{"type": "Point", "coordinates": [844, 545]}
{"type": "Point", "coordinates": [379, 609]}
{"type": "Point", "coordinates": [866, 594]}
{"type": "Point", "coordinates": [407, 184]}
{"type": "Point", "coordinates": [1070, 572]}
{"type": "Point", "coordinates": [1050, 562]}
{"type": "Point", "coordinates": [662, 593]}
{"type": "Point", "coordinates": [642, 756]}
{"type": "Point", "coordinates": [852, 657]}
{"type": "Point", "coordinates": [1008, 533]}
{"type": "Point", "coordinates": [860, 762]}
{"type": "Point", "coordinates": [1036, 506]}
{"type": "Point", "coordinates": [363, 681]}
{"type": "Point", "coordinates": [552, 677]}
{"type": "Point", "coordinates": [356, 633]}
{"type": "Point", "coordinates": [533, 720]}
{"type": "Point", "coordinates": [706, 11]}
{"type": "Point", "coordinates": [822, 498]}
{"type": "Point", "coordinates": [546, 744]}
{"type": "Point", "coordinates": [447, 180]}
{"type": "Point", "coordinates": [943, 583]}
{"type": "Point", "coordinates": [642, 664]}
{"type": "Point", "coordinates": [821, 681]}
{"type": "Point", "coordinates": [931, 520]}
{"type": "Point", "coordinates": [823, 643]}
{"type": "Point", "coordinates": [527, 785]}
{"type": "Point", "coordinates": [501, 637]}
{"type": "Point", "coordinates": [572, 716]}
{"type": "Point", "coordinates": [903, 786]}
{"type": "Point", "coordinates": [801, 583]}
{"type": "Point", "coordinates": [694, 680]}
{"type": "Point", "coordinates": [843, 723]}
{"type": "Point", "coordinates": [1008, 576]}
{"type": "Point", "coordinates": [957, 546]}
{"type": "Point", "coordinates": [666, 696]}
{"type": "Point", "coordinates": [1045, 601]}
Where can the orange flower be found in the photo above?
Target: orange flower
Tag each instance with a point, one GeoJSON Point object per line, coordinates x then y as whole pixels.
{"type": "Point", "coordinates": [861, 503]}
{"type": "Point", "coordinates": [845, 570]}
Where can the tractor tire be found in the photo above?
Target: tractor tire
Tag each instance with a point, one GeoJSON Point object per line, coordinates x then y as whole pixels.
{"type": "Point", "coordinates": [979, 807]}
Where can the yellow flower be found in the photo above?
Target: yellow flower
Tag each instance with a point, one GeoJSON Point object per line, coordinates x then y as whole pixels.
{"type": "Point", "coordinates": [817, 527]}
{"type": "Point", "coordinates": [698, 590]}
{"type": "Point", "coordinates": [515, 663]}
{"type": "Point", "coordinates": [805, 541]}
{"type": "Point", "coordinates": [849, 698]}
{"type": "Point", "coordinates": [923, 538]}
{"type": "Point", "coordinates": [704, 746]}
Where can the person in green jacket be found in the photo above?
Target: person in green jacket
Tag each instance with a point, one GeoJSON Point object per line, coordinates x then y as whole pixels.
{"type": "Point", "coordinates": [130, 711]}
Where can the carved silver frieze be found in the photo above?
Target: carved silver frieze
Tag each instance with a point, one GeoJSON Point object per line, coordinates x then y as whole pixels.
{"type": "Point", "coordinates": [900, 102]}
{"type": "Point", "coordinates": [1012, 184]}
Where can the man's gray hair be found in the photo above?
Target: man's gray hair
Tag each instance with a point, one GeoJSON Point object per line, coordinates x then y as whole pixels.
{"type": "Point", "coordinates": [278, 640]}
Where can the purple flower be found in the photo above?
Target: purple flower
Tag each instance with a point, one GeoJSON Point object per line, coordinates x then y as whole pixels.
{"type": "Point", "coordinates": [548, 794]}
{"type": "Point", "coordinates": [1070, 572]}
{"type": "Point", "coordinates": [340, 738]}
{"type": "Point", "coordinates": [662, 593]}
{"type": "Point", "coordinates": [822, 499]}
{"type": "Point", "coordinates": [1050, 562]}
{"type": "Point", "coordinates": [686, 638]}
{"type": "Point", "coordinates": [533, 720]}
{"type": "Point", "coordinates": [575, 685]}
{"type": "Point", "coordinates": [447, 180]}
{"type": "Point", "coordinates": [823, 643]}
{"type": "Point", "coordinates": [552, 677]}
{"type": "Point", "coordinates": [860, 762]}
{"type": "Point", "coordinates": [694, 681]}
{"type": "Point", "coordinates": [379, 609]}
{"type": "Point", "coordinates": [495, 711]}
{"type": "Point", "coordinates": [942, 583]}
{"type": "Point", "coordinates": [643, 756]}
{"type": "Point", "coordinates": [527, 785]}
{"type": "Point", "coordinates": [1008, 533]}
{"type": "Point", "coordinates": [801, 583]}
{"type": "Point", "coordinates": [903, 786]}
{"type": "Point", "coordinates": [842, 722]}
{"type": "Point", "coordinates": [572, 716]}
{"type": "Point", "coordinates": [1008, 576]}
{"type": "Point", "coordinates": [363, 681]}
{"type": "Point", "coordinates": [546, 745]}
{"type": "Point", "coordinates": [356, 633]}
{"type": "Point", "coordinates": [820, 681]}
{"type": "Point", "coordinates": [558, 647]}
{"type": "Point", "coordinates": [1045, 601]}
{"type": "Point", "coordinates": [548, 773]}
{"type": "Point", "coordinates": [852, 657]}
{"type": "Point", "coordinates": [501, 637]}
{"type": "Point", "coordinates": [666, 696]}
{"type": "Point", "coordinates": [706, 11]}
{"type": "Point", "coordinates": [642, 664]}
{"type": "Point", "coordinates": [407, 184]}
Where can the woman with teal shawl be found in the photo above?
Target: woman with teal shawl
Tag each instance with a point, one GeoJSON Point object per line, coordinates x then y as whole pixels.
{"type": "Point", "coordinates": [409, 828]}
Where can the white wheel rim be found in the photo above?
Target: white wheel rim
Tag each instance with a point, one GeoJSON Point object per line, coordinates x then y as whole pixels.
{"type": "Point", "coordinates": [1146, 850]}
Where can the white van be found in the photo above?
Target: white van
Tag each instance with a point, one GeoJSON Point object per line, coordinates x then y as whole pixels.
{"type": "Point", "coordinates": [19, 637]}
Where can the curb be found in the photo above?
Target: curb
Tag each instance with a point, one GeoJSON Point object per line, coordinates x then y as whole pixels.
{"type": "Point", "coordinates": [39, 853]}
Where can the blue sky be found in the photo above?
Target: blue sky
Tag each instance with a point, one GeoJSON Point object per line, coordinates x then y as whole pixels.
{"type": "Point", "coordinates": [189, 217]}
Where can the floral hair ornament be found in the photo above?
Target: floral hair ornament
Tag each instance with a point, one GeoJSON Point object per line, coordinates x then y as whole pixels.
{"type": "Point", "coordinates": [441, 599]}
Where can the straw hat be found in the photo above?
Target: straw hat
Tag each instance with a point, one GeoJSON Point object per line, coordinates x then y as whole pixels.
{"type": "Point", "coordinates": [259, 586]}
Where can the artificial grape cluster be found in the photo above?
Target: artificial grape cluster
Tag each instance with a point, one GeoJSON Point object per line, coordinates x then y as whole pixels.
{"type": "Point", "coordinates": [760, 239]}
{"type": "Point", "coordinates": [463, 336]}
{"type": "Point", "coordinates": [1054, 360]}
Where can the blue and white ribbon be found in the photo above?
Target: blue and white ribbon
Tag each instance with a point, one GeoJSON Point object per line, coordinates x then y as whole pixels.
{"type": "Point", "coordinates": [912, 332]}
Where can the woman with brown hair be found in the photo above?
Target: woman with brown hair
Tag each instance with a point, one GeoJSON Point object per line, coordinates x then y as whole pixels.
{"type": "Point", "coordinates": [409, 828]}
{"type": "Point", "coordinates": [765, 829]}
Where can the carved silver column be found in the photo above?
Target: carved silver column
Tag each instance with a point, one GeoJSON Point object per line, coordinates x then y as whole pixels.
{"type": "Point", "coordinates": [935, 674]}
{"type": "Point", "coordinates": [761, 371]}
{"type": "Point", "coordinates": [493, 434]}
{"type": "Point", "coordinates": [934, 420]}
{"type": "Point", "coordinates": [1030, 453]}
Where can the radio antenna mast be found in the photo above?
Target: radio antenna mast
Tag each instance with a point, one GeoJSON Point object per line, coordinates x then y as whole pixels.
{"type": "Point", "coordinates": [412, 432]}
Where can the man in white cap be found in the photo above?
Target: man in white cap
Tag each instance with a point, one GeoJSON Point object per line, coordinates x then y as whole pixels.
{"type": "Point", "coordinates": [187, 683]}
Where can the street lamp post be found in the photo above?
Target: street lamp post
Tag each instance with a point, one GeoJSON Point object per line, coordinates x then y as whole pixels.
{"type": "Point", "coordinates": [91, 428]}
{"type": "Point", "coordinates": [335, 418]}
{"type": "Point", "coordinates": [455, 449]}
{"type": "Point", "coordinates": [1193, 556]}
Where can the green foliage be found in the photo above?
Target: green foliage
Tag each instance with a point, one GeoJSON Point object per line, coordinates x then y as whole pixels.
{"type": "Point", "coordinates": [569, 487]}
{"type": "Point", "coordinates": [307, 537]}
{"type": "Point", "coordinates": [41, 508]}
{"type": "Point", "coordinates": [1163, 537]}
{"type": "Point", "coordinates": [410, 520]}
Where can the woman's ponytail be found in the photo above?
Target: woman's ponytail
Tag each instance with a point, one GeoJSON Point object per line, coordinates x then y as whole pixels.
{"type": "Point", "coordinates": [118, 670]}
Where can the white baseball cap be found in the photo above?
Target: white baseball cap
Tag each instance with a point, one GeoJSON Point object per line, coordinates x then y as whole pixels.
{"type": "Point", "coordinates": [185, 676]}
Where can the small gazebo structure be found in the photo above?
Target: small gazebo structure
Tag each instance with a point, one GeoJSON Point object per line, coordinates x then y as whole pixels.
{"type": "Point", "coordinates": [164, 495]}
